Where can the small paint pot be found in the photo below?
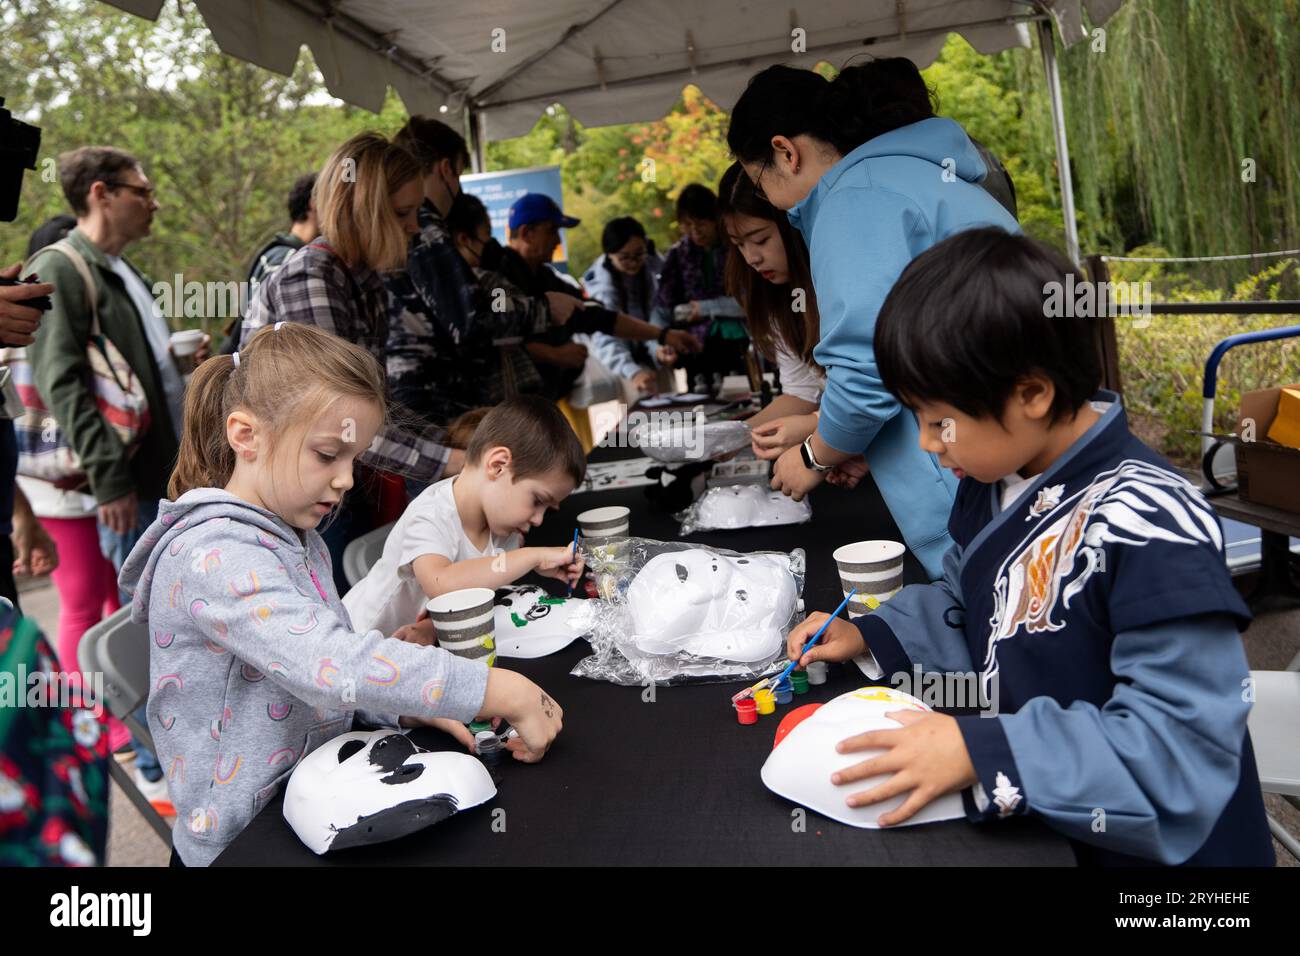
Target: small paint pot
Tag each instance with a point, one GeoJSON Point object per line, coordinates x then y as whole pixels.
{"type": "Point", "coordinates": [784, 692]}
{"type": "Point", "coordinates": [488, 747]}
{"type": "Point", "coordinates": [799, 682]}
{"type": "Point", "coordinates": [765, 701]}
{"type": "Point", "coordinates": [817, 672]}
{"type": "Point", "coordinates": [747, 711]}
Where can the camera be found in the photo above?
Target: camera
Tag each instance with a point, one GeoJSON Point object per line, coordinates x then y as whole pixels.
{"type": "Point", "coordinates": [19, 144]}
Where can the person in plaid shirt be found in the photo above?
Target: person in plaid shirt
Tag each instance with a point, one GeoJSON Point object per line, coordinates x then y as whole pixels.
{"type": "Point", "coordinates": [335, 284]}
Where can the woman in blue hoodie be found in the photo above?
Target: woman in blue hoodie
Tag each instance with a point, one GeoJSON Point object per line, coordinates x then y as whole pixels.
{"type": "Point", "coordinates": [871, 178]}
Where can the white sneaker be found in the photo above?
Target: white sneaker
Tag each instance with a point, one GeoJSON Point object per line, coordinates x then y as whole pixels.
{"type": "Point", "coordinates": [155, 791]}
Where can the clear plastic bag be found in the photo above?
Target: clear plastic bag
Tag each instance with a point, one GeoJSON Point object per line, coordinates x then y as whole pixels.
{"type": "Point", "coordinates": [672, 437]}
{"type": "Point", "coordinates": [674, 612]}
{"type": "Point", "coordinates": [742, 505]}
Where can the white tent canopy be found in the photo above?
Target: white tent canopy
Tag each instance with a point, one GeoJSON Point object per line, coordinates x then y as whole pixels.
{"type": "Point", "coordinates": [607, 61]}
{"type": "Point", "coordinates": [498, 63]}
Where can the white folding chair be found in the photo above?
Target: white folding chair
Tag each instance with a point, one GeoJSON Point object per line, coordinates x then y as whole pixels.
{"type": "Point", "coordinates": [362, 553]}
{"type": "Point", "coordinates": [119, 649]}
{"type": "Point", "coordinates": [1275, 731]}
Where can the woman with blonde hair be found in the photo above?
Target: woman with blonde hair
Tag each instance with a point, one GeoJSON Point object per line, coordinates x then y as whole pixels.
{"type": "Point", "coordinates": [366, 197]}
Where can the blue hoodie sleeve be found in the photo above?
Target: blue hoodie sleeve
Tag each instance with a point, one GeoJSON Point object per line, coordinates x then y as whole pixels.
{"type": "Point", "coordinates": [1146, 774]}
{"type": "Point", "coordinates": [861, 242]}
{"type": "Point", "coordinates": [248, 604]}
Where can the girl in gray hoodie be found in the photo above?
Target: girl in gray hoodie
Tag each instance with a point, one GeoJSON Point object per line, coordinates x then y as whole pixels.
{"type": "Point", "coordinates": [254, 662]}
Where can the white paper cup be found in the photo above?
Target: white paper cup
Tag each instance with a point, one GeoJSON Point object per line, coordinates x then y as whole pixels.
{"type": "Point", "coordinates": [184, 345]}
{"type": "Point", "coordinates": [874, 569]}
{"type": "Point", "coordinates": [464, 622]}
{"type": "Point", "coordinates": [601, 524]}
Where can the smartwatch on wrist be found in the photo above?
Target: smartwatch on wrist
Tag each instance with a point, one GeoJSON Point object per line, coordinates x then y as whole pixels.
{"type": "Point", "coordinates": [809, 460]}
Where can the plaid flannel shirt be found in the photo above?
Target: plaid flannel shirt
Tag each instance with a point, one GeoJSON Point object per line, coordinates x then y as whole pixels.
{"type": "Point", "coordinates": [315, 287]}
{"type": "Point", "coordinates": [454, 333]}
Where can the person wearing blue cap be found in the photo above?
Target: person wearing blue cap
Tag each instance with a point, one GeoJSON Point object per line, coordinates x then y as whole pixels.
{"type": "Point", "coordinates": [535, 221]}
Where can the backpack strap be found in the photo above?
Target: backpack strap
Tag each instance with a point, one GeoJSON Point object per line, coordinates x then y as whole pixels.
{"type": "Point", "coordinates": [69, 252]}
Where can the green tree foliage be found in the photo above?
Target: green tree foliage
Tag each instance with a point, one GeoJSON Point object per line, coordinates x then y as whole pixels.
{"type": "Point", "coordinates": [1163, 108]}
{"type": "Point", "coordinates": [221, 139]}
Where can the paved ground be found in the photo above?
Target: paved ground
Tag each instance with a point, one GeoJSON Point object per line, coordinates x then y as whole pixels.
{"type": "Point", "coordinates": [1272, 641]}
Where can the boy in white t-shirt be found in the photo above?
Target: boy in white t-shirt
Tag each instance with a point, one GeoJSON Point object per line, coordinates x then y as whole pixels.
{"type": "Point", "coordinates": [467, 531]}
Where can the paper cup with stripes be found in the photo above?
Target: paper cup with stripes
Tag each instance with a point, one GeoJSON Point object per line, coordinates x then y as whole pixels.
{"type": "Point", "coordinates": [600, 524]}
{"type": "Point", "coordinates": [874, 569]}
{"type": "Point", "coordinates": [464, 622]}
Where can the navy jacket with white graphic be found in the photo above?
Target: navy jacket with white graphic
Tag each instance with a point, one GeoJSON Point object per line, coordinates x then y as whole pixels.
{"type": "Point", "coordinates": [1099, 615]}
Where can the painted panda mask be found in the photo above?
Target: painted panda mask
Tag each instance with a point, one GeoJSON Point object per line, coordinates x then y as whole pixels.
{"type": "Point", "coordinates": [711, 605]}
{"type": "Point", "coordinates": [530, 623]}
{"type": "Point", "coordinates": [373, 786]}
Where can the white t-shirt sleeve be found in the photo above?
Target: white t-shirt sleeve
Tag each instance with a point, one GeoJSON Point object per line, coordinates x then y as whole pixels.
{"type": "Point", "coordinates": [798, 378]}
{"type": "Point", "coordinates": [429, 532]}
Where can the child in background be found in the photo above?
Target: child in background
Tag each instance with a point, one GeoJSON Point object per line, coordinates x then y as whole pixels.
{"type": "Point", "coordinates": [467, 531]}
{"type": "Point", "coordinates": [254, 661]}
{"type": "Point", "coordinates": [1086, 589]}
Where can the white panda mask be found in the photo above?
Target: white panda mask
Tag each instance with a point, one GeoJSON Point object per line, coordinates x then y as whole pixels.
{"type": "Point", "coordinates": [710, 605]}
{"type": "Point", "coordinates": [748, 506]}
{"type": "Point", "coordinates": [369, 787]}
{"type": "Point", "coordinates": [799, 767]}
{"type": "Point", "coordinates": [530, 623]}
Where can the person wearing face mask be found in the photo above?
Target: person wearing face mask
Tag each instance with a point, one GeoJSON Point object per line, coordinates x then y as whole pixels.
{"type": "Point", "coordinates": [489, 364]}
{"type": "Point", "coordinates": [691, 281]}
{"type": "Point", "coordinates": [430, 301]}
{"type": "Point", "coordinates": [871, 178]}
{"type": "Point", "coordinates": [625, 277]}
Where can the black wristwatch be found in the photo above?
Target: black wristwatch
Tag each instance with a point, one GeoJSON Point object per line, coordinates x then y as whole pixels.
{"type": "Point", "coordinates": [663, 334]}
{"type": "Point", "coordinates": [809, 462]}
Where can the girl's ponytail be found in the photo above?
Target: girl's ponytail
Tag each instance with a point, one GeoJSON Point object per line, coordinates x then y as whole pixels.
{"type": "Point", "coordinates": [206, 459]}
{"type": "Point", "coordinates": [285, 376]}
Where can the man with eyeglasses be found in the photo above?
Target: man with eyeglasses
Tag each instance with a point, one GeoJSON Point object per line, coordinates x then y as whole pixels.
{"type": "Point", "coordinates": [114, 204]}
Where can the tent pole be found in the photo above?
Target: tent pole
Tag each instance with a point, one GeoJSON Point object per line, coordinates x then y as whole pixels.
{"type": "Point", "coordinates": [474, 133]}
{"type": "Point", "coordinates": [1047, 43]}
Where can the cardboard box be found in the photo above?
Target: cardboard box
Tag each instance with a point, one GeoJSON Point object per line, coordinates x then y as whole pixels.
{"type": "Point", "coordinates": [1268, 473]}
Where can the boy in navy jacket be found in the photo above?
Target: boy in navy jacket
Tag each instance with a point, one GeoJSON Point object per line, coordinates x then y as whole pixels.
{"type": "Point", "coordinates": [1086, 592]}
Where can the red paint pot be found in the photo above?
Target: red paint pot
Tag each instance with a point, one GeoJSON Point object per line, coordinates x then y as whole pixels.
{"type": "Point", "coordinates": [747, 711]}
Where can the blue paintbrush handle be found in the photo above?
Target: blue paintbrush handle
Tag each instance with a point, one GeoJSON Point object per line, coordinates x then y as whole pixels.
{"type": "Point", "coordinates": [816, 637]}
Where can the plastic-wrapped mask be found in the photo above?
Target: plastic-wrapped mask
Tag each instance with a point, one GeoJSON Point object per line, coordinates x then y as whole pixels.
{"type": "Point", "coordinates": [800, 765]}
{"type": "Point", "coordinates": [710, 605]}
{"type": "Point", "coordinates": [370, 787]}
{"type": "Point", "coordinates": [530, 623]}
{"type": "Point", "coordinates": [748, 506]}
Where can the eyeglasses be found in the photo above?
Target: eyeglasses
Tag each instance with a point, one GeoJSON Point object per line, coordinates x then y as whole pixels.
{"type": "Point", "coordinates": [631, 258]}
{"type": "Point", "coordinates": [758, 183]}
{"type": "Point", "coordinates": [144, 192]}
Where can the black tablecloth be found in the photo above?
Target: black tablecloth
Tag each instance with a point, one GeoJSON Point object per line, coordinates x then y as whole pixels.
{"type": "Point", "coordinates": [673, 780]}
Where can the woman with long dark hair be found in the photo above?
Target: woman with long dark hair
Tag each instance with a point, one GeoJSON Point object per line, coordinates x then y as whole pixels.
{"type": "Point", "coordinates": [871, 178]}
{"type": "Point", "coordinates": [770, 276]}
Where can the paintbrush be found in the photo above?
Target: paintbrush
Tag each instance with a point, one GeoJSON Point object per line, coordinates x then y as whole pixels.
{"type": "Point", "coordinates": [773, 681]}
{"type": "Point", "coordinates": [575, 556]}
